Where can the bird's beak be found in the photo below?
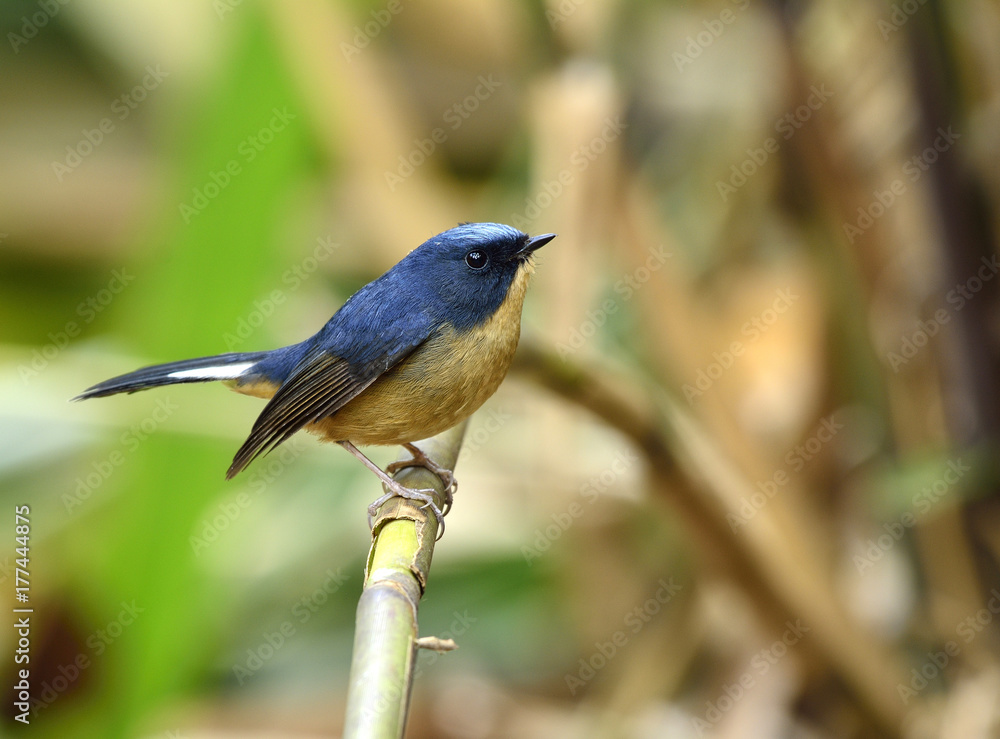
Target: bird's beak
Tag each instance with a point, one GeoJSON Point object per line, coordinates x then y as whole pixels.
{"type": "Point", "coordinates": [535, 243]}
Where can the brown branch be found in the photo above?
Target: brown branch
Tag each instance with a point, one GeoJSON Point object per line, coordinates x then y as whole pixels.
{"type": "Point", "coordinates": [769, 559]}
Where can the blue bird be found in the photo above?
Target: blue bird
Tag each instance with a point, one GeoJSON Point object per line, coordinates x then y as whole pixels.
{"type": "Point", "coordinates": [408, 356]}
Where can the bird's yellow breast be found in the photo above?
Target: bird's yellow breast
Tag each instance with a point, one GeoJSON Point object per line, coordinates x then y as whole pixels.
{"type": "Point", "coordinates": [440, 384]}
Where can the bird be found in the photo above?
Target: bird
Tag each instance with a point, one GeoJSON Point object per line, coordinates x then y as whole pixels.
{"type": "Point", "coordinates": [409, 355]}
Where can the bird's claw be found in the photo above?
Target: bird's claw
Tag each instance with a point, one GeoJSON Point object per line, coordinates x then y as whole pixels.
{"type": "Point", "coordinates": [420, 459]}
{"type": "Point", "coordinates": [423, 495]}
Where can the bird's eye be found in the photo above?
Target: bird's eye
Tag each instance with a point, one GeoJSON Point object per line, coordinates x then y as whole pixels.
{"type": "Point", "coordinates": [476, 259]}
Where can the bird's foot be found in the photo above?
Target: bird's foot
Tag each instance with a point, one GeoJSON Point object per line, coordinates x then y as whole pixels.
{"type": "Point", "coordinates": [397, 490]}
{"type": "Point", "coordinates": [420, 459]}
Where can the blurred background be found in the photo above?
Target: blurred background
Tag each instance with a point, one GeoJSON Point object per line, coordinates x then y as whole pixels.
{"type": "Point", "coordinates": [743, 481]}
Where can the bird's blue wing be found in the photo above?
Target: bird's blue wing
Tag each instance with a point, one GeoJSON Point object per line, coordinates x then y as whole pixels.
{"type": "Point", "coordinates": [376, 329]}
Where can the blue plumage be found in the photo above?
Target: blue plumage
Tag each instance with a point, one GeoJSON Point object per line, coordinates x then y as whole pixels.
{"type": "Point", "coordinates": [430, 287]}
{"type": "Point", "coordinates": [408, 355]}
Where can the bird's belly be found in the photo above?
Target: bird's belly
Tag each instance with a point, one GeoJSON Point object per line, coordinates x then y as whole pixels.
{"type": "Point", "coordinates": [442, 383]}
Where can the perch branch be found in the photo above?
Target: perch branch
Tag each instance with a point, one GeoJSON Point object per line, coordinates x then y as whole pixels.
{"type": "Point", "coordinates": [386, 635]}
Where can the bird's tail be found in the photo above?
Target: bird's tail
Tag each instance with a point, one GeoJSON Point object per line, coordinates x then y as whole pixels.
{"type": "Point", "coordinates": [204, 369]}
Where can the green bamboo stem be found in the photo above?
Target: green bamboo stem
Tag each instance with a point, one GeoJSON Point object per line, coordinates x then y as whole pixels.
{"type": "Point", "coordinates": [385, 637]}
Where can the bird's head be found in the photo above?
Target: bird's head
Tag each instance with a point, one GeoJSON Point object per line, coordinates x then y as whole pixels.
{"type": "Point", "coordinates": [472, 269]}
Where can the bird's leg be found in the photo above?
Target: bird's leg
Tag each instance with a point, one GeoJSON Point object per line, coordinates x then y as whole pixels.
{"type": "Point", "coordinates": [424, 495]}
{"type": "Point", "coordinates": [420, 459]}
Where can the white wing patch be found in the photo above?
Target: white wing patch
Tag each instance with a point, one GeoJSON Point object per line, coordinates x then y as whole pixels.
{"type": "Point", "coordinates": [222, 372]}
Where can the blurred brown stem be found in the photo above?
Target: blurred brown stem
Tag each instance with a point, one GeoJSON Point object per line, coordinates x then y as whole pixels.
{"type": "Point", "coordinates": [772, 564]}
